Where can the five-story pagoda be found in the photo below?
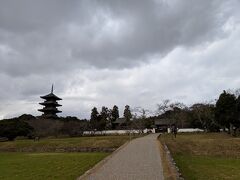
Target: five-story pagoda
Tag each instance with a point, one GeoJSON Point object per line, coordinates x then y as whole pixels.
{"type": "Point", "coordinates": [50, 105]}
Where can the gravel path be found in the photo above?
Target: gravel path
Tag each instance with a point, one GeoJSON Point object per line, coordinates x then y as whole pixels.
{"type": "Point", "coordinates": [138, 160]}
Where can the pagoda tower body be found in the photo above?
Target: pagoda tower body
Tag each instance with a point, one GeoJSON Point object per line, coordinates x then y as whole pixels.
{"type": "Point", "coordinates": [50, 105]}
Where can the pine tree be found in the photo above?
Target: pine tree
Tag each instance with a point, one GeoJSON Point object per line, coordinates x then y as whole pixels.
{"type": "Point", "coordinates": [94, 118]}
{"type": "Point", "coordinates": [114, 113]}
{"type": "Point", "coordinates": [237, 120]}
{"type": "Point", "coordinates": [127, 113]}
{"type": "Point", "coordinates": [103, 118]}
{"type": "Point", "coordinates": [226, 110]}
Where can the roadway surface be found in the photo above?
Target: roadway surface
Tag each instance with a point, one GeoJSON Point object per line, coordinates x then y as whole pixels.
{"type": "Point", "coordinates": [138, 160]}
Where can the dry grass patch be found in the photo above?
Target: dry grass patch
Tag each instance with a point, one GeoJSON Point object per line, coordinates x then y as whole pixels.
{"type": "Point", "coordinates": [213, 144]}
{"type": "Point", "coordinates": [205, 155]}
{"type": "Point", "coordinates": [77, 144]}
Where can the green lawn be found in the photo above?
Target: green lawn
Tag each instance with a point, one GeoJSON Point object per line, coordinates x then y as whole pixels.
{"type": "Point", "coordinates": [205, 155]}
{"type": "Point", "coordinates": [207, 167]}
{"type": "Point", "coordinates": [56, 158]}
{"type": "Point", "coordinates": [26, 166]}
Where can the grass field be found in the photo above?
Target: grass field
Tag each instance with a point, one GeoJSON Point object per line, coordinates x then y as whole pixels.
{"type": "Point", "coordinates": [26, 159]}
{"type": "Point", "coordinates": [64, 144]}
{"type": "Point", "coordinates": [38, 166]}
{"type": "Point", "coordinates": [205, 155]}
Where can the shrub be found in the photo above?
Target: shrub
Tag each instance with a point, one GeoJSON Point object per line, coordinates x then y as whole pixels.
{"type": "Point", "coordinates": [12, 128]}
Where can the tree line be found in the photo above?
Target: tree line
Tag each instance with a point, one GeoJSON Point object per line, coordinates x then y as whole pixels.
{"type": "Point", "coordinates": [105, 119]}
{"type": "Point", "coordinates": [212, 117]}
{"type": "Point", "coordinates": [224, 114]}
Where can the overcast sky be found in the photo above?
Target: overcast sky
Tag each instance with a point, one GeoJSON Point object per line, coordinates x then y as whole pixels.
{"type": "Point", "coordinates": [105, 52]}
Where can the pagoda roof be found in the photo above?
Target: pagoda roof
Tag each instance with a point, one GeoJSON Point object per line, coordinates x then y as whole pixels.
{"type": "Point", "coordinates": [50, 103]}
{"type": "Point", "coordinates": [50, 109]}
{"type": "Point", "coordinates": [50, 96]}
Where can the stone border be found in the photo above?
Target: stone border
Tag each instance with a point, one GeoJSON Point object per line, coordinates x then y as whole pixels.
{"type": "Point", "coordinates": [172, 163]}
{"type": "Point", "coordinates": [59, 150]}
{"type": "Point", "coordinates": [102, 162]}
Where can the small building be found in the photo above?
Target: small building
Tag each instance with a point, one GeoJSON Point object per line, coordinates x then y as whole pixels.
{"type": "Point", "coordinates": [120, 123]}
{"type": "Point", "coordinates": [162, 125]}
{"type": "Point", "coordinates": [50, 105]}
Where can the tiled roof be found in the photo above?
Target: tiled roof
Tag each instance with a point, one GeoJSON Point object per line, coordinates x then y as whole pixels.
{"type": "Point", "coordinates": [163, 121]}
{"type": "Point", "coordinates": [49, 96]}
{"type": "Point", "coordinates": [50, 103]}
{"type": "Point", "coordinates": [120, 121]}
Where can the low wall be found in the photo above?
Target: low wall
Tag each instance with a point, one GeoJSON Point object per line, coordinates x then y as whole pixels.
{"type": "Point", "coordinates": [133, 131]}
{"type": "Point", "coordinates": [190, 130]}
{"type": "Point", "coordinates": [187, 130]}
{"type": "Point", "coordinates": [137, 131]}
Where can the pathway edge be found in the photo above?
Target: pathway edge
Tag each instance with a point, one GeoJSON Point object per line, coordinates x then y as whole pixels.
{"type": "Point", "coordinates": [101, 163]}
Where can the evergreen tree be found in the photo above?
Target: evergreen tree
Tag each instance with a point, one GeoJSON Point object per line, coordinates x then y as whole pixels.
{"type": "Point", "coordinates": [237, 120]}
{"type": "Point", "coordinates": [94, 118]}
{"type": "Point", "coordinates": [226, 110]}
{"type": "Point", "coordinates": [104, 116]}
{"type": "Point", "coordinates": [114, 113]}
{"type": "Point", "coordinates": [127, 113]}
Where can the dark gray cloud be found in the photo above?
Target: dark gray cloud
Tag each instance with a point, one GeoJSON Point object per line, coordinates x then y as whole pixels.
{"type": "Point", "coordinates": [40, 35]}
{"type": "Point", "coordinates": [28, 16]}
{"type": "Point", "coordinates": [98, 51]}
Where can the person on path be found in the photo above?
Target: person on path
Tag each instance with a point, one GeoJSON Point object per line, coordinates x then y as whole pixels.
{"type": "Point", "coordinates": [174, 130]}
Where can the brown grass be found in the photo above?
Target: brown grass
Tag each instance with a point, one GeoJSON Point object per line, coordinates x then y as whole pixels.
{"type": "Point", "coordinates": [211, 144]}
{"type": "Point", "coordinates": [205, 155]}
{"type": "Point", "coordinates": [77, 144]}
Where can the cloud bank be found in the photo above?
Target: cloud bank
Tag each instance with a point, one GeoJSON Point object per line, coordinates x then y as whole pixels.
{"type": "Point", "coordinates": [133, 52]}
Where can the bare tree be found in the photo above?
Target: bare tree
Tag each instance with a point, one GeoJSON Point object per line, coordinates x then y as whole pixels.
{"type": "Point", "coordinates": [163, 107]}
{"type": "Point", "coordinates": [141, 112]}
{"type": "Point", "coordinates": [235, 92]}
{"type": "Point", "coordinates": [204, 113]}
{"type": "Point", "coordinates": [139, 120]}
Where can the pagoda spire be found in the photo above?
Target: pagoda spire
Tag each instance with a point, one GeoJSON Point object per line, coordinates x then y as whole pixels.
{"type": "Point", "coordinates": [52, 89]}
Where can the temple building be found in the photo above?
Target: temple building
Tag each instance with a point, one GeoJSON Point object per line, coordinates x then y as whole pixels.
{"type": "Point", "coordinates": [50, 105]}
